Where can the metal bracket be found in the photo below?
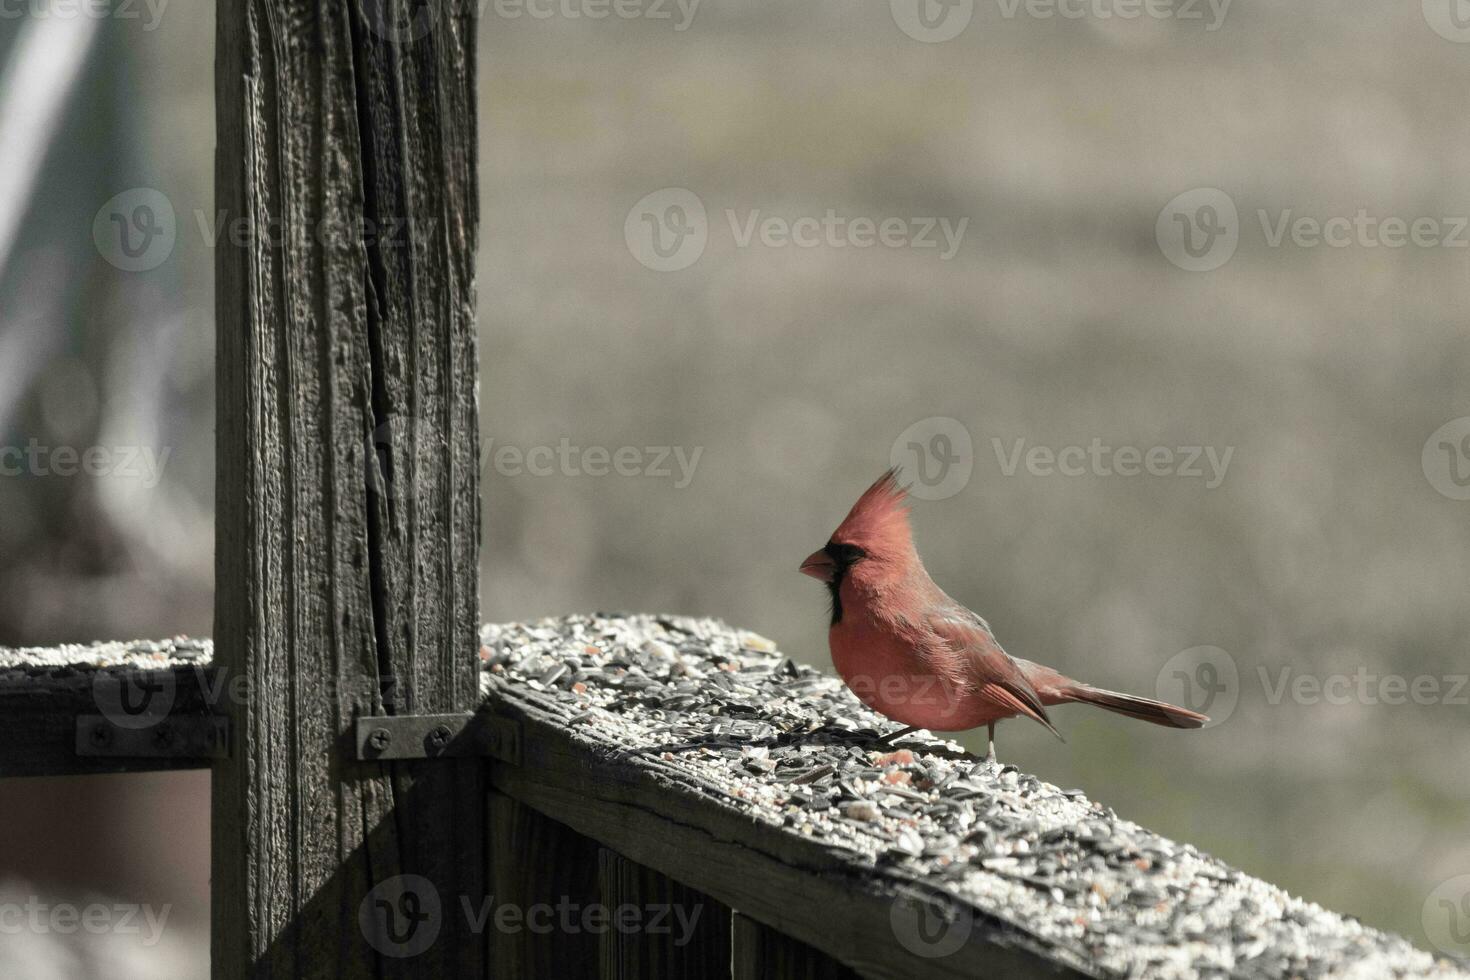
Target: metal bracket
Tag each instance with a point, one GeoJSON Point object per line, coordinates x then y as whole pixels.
{"type": "Point", "coordinates": [385, 737]}
{"type": "Point", "coordinates": [164, 737]}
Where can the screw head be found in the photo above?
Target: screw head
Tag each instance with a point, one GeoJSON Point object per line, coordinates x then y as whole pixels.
{"type": "Point", "coordinates": [439, 737]}
{"type": "Point", "coordinates": [163, 736]}
{"type": "Point", "coordinates": [100, 734]}
{"type": "Point", "coordinates": [380, 738]}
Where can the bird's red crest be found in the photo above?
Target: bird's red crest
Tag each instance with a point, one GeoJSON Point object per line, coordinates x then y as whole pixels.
{"type": "Point", "coordinates": [879, 521]}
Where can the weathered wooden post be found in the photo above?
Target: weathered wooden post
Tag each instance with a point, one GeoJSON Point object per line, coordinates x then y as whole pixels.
{"type": "Point", "coordinates": [347, 484]}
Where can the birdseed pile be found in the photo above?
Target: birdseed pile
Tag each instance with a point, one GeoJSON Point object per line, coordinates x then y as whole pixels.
{"type": "Point", "coordinates": [722, 712]}
{"type": "Point", "coordinates": [19, 663]}
{"type": "Point", "coordinates": [791, 747]}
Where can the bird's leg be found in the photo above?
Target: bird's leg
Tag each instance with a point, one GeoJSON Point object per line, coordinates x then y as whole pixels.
{"type": "Point", "coordinates": [990, 737]}
{"type": "Point", "coordinates": [892, 737]}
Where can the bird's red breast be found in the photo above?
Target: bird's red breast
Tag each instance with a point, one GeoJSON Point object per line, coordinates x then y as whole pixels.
{"type": "Point", "coordinates": [938, 668]}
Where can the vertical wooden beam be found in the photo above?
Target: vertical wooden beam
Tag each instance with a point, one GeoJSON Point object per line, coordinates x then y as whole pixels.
{"type": "Point", "coordinates": [762, 953]}
{"type": "Point", "coordinates": [347, 489]}
{"type": "Point", "coordinates": [543, 876]}
{"type": "Point", "coordinates": [676, 931]}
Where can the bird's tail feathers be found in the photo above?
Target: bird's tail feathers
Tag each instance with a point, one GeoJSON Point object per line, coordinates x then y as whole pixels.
{"type": "Point", "coordinates": [1145, 709]}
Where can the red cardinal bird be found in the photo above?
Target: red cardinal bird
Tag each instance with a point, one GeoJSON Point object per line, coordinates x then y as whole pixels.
{"type": "Point", "coordinates": [912, 653]}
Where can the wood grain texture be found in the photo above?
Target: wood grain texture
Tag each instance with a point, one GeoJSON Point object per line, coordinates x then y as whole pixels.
{"type": "Point", "coordinates": [538, 869]}
{"type": "Point", "coordinates": [795, 886]}
{"type": "Point", "coordinates": [39, 711]}
{"type": "Point", "coordinates": [762, 953]}
{"type": "Point", "coordinates": [347, 491]}
{"type": "Point", "coordinates": [681, 932]}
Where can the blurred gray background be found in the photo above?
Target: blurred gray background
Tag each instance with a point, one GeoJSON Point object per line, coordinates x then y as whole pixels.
{"type": "Point", "coordinates": [1335, 546]}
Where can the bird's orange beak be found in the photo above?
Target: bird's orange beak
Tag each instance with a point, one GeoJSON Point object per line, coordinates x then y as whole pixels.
{"type": "Point", "coordinates": [819, 565]}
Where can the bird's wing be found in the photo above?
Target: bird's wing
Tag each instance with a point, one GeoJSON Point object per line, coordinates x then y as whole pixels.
{"type": "Point", "coordinates": [997, 676]}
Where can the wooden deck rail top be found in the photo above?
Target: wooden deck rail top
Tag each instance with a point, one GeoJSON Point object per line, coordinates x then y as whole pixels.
{"type": "Point", "coordinates": [700, 751]}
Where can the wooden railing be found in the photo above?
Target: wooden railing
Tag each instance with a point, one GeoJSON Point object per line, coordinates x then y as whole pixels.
{"type": "Point", "coordinates": [387, 804]}
{"type": "Point", "coordinates": [667, 797]}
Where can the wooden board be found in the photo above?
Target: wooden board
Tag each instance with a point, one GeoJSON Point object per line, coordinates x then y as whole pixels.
{"type": "Point", "coordinates": [347, 491]}
{"type": "Point", "coordinates": [659, 927]}
{"type": "Point", "coordinates": [761, 953]}
{"type": "Point", "coordinates": [796, 887]}
{"type": "Point", "coordinates": [538, 867]}
{"type": "Point", "coordinates": [40, 707]}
